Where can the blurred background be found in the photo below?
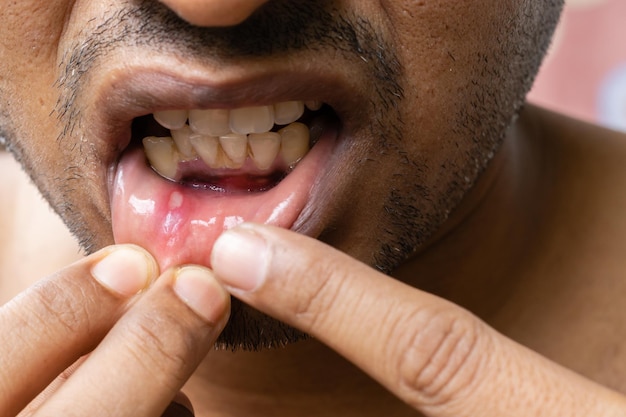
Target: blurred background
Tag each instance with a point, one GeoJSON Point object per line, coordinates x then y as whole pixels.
{"type": "Point", "coordinates": [584, 74]}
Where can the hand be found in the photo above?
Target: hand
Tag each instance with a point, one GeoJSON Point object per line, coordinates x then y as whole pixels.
{"type": "Point", "coordinates": [432, 354]}
{"type": "Point", "coordinates": [143, 340]}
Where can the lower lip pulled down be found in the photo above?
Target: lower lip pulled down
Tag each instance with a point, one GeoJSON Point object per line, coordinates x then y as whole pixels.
{"type": "Point", "coordinates": [179, 224]}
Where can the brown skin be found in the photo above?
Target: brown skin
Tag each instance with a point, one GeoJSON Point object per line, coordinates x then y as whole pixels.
{"type": "Point", "coordinates": [413, 116]}
{"type": "Point", "coordinates": [533, 249]}
{"type": "Point", "coordinates": [455, 80]}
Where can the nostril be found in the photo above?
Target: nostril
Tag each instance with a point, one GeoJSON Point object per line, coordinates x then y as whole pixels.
{"type": "Point", "coordinates": [214, 12]}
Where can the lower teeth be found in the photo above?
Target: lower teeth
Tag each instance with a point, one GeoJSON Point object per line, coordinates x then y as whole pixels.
{"type": "Point", "coordinates": [265, 150]}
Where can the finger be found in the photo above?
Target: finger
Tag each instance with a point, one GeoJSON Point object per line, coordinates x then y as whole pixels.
{"type": "Point", "coordinates": [50, 325]}
{"type": "Point", "coordinates": [143, 362]}
{"type": "Point", "coordinates": [32, 406]}
{"type": "Point", "coordinates": [432, 354]}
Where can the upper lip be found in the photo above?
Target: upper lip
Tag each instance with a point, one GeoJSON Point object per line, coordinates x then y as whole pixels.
{"type": "Point", "coordinates": [130, 92]}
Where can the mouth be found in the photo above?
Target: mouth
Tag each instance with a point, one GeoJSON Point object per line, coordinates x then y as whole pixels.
{"type": "Point", "coordinates": [242, 150]}
{"type": "Point", "coordinates": [190, 170]}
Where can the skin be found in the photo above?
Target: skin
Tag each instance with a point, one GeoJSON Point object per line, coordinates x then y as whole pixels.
{"type": "Point", "coordinates": [534, 245]}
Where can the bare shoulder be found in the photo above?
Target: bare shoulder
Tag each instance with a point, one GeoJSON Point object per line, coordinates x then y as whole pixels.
{"type": "Point", "coordinates": [585, 162]}
{"type": "Point", "coordinates": [576, 283]}
{"type": "Point", "coordinates": [576, 136]}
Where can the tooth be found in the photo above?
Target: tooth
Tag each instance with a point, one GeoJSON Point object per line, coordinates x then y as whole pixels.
{"type": "Point", "coordinates": [288, 112]}
{"type": "Point", "coordinates": [252, 119]}
{"type": "Point", "coordinates": [294, 142]}
{"type": "Point", "coordinates": [236, 148]}
{"type": "Point", "coordinates": [162, 155]}
{"type": "Point", "coordinates": [313, 105]}
{"type": "Point", "coordinates": [264, 147]}
{"type": "Point", "coordinates": [211, 122]}
{"type": "Point", "coordinates": [207, 148]}
{"type": "Point", "coordinates": [181, 138]}
{"type": "Point", "coordinates": [171, 119]}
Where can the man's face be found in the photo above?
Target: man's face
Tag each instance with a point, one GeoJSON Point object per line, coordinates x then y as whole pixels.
{"type": "Point", "coordinates": [416, 97]}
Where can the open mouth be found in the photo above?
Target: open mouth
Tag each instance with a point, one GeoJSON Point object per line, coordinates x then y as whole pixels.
{"type": "Point", "coordinates": [242, 150]}
{"type": "Point", "coordinates": [189, 174]}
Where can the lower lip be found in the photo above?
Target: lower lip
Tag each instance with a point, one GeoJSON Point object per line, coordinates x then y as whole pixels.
{"type": "Point", "coordinates": [178, 224]}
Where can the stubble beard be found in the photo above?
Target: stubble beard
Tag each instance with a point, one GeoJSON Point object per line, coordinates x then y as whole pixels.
{"type": "Point", "coordinates": [410, 213]}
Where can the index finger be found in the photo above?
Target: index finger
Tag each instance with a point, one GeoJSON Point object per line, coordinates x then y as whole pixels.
{"type": "Point", "coordinates": [434, 355]}
{"type": "Point", "coordinates": [50, 325]}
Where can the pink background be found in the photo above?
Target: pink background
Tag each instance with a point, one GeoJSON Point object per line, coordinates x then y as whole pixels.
{"type": "Point", "coordinates": [584, 74]}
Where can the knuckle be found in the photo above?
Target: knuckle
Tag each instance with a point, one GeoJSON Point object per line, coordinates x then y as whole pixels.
{"type": "Point", "coordinates": [314, 305]}
{"type": "Point", "coordinates": [64, 305]}
{"type": "Point", "coordinates": [161, 341]}
{"type": "Point", "coordinates": [440, 359]}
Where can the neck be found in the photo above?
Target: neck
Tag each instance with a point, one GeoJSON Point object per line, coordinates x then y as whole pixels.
{"type": "Point", "coordinates": [536, 250]}
{"type": "Point", "coordinates": [478, 257]}
{"type": "Point", "coordinates": [303, 379]}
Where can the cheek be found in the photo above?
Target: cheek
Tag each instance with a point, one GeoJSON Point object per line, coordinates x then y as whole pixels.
{"type": "Point", "coordinates": [32, 27]}
{"type": "Point", "coordinates": [452, 58]}
{"type": "Point", "coordinates": [30, 31]}
{"type": "Point", "coordinates": [445, 46]}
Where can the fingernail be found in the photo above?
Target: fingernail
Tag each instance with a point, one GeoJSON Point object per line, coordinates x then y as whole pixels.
{"type": "Point", "coordinates": [197, 287]}
{"type": "Point", "coordinates": [126, 270]}
{"type": "Point", "coordinates": [240, 259]}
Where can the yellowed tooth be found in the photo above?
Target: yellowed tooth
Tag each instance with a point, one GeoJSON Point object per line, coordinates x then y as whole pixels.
{"type": "Point", "coordinates": [171, 119]}
{"type": "Point", "coordinates": [288, 112]}
{"type": "Point", "coordinates": [181, 139]}
{"type": "Point", "coordinates": [294, 142]}
{"type": "Point", "coordinates": [162, 155]}
{"type": "Point", "coordinates": [236, 148]}
{"type": "Point", "coordinates": [211, 122]}
{"type": "Point", "coordinates": [264, 148]}
{"type": "Point", "coordinates": [207, 148]}
{"type": "Point", "coordinates": [313, 105]}
{"type": "Point", "coordinates": [252, 119]}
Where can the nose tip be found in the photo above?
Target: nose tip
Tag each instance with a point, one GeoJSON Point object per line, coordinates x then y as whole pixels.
{"type": "Point", "coordinates": [214, 12]}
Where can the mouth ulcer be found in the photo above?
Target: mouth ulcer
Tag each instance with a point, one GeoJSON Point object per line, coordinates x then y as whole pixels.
{"type": "Point", "coordinates": [187, 175]}
{"type": "Point", "coordinates": [248, 149]}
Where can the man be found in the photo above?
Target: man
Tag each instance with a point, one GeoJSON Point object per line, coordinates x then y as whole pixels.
{"type": "Point", "coordinates": [392, 131]}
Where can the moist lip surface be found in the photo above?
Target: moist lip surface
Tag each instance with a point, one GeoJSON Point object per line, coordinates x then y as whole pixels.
{"type": "Point", "coordinates": [178, 221]}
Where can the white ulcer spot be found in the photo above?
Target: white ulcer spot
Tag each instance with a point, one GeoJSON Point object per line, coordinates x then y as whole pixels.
{"type": "Point", "coordinates": [176, 200]}
{"type": "Point", "coordinates": [232, 221]}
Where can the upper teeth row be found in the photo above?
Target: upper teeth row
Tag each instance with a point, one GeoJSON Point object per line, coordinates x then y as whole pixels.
{"type": "Point", "coordinates": [224, 138]}
{"type": "Point", "coordinates": [243, 121]}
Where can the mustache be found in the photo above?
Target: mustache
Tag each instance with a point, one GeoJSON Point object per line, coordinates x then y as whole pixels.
{"type": "Point", "coordinates": [278, 27]}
